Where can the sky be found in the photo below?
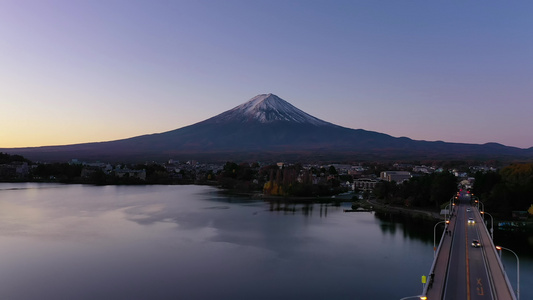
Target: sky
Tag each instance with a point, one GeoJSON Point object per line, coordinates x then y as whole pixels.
{"type": "Point", "coordinates": [99, 70]}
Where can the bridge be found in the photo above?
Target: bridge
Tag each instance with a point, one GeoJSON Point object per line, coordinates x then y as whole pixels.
{"type": "Point", "coordinates": [462, 269]}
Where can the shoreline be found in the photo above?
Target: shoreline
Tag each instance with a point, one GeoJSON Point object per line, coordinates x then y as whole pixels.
{"type": "Point", "coordinates": [413, 212]}
{"type": "Point", "coordinates": [367, 205]}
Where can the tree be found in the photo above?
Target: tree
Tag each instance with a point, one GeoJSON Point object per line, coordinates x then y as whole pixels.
{"type": "Point", "coordinates": [8, 158]}
{"type": "Point", "coordinates": [62, 171]}
{"type": "Point", "coordinates": [385, 190]}
{"type": "Point", "coordinates": [332, 170]}
{"type": "Point", "coordinates": [485, 182]}
{"type": "Point", "coordinates": [230, 170]}
{"type": "Point", "coordinates": [518, 181]}
{"type": "Point", "coordinates": [417, 191]}
{"type": "Point", "coordinates": [443, 186]}
{"type": "Point", "coordinates": [509, 189]}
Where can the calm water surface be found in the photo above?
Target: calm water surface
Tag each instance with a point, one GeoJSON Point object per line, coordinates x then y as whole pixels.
{"type": "Point", "coordinates": [191, 242]}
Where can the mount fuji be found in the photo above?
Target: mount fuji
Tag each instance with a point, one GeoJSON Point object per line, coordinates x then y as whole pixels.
{"type": "Point", "coordinates": [268, 128]}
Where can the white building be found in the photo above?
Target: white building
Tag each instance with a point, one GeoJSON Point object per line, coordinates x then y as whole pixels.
{"type": "Point", "coordinates": [364, 184]}
{"type": "Point", "coordinates": [397, 176]}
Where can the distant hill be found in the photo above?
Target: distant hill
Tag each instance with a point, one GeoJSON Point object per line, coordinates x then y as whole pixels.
{"type": "Point", "coordinates": [268, 128]}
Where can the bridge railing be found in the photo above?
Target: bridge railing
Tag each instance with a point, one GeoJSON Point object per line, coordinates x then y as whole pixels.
{"type": "Point", "coordinates": [493, 249]}
{"type": "Point", "coordinates": [432, 269]}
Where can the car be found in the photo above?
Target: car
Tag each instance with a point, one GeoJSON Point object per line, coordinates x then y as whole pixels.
{"type": "Point", "coordinates": [471, 221]}
{"type": "Point", "coordinates": [468, 209]}
{"type": "Point", "coordinates": [476, 243]}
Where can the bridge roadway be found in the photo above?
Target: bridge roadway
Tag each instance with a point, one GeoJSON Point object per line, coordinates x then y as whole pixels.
{"type": "Point", "coordinates": [462, 271]}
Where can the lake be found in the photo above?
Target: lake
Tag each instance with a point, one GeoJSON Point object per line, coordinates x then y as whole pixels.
{"type": "Point", "coordinates": [193, 242]}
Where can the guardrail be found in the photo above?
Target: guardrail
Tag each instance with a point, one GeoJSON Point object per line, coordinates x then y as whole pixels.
{"type": "Point", "coordinates": [432, 268]}
{"type": "Point", "coordinates": [493, 249]}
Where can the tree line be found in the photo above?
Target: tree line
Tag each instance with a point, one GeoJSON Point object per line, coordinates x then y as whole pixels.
{"type": "Point", "coordinates": [430, 190]}
{"type": "Point", "coordinates": [502, 192]}
{"type": "Point", "coordinates": [509, 189]}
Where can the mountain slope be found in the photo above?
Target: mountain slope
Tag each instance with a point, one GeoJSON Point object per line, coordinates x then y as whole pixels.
{"type": "Point", "coordinates": [269, 128]}
{"type": "Point", "coordinates": [266, 108]}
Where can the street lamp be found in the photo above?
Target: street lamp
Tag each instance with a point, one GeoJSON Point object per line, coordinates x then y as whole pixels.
{"type": "Point", "coordinates": [453, 207]}
{"type": "Point", "coordinates": [451, 201]}
{"type": "Point", "coordinates": [482, 207]}
{"type": "Point", "coordinates": [445, 210]}
{"type": "Point", "coordinates": [419, 297]}
{"type": "Point", "coordinates": [517, 270]}
{"type": "Point", "coordinates": [491, 224]}
{"type": "Point", "coordinates": [451, 204]}
{"type": "Point", "coordinates": [434, 234]}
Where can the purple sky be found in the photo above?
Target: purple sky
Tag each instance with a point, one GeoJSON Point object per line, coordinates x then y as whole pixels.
{"type": "Point", "coordinates": [83, 71]}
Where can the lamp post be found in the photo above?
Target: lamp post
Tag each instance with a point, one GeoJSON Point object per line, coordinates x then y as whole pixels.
{"type": "Point", "coordinates": [491, 224]}
{"type": "Point", "coordinates": [482, 208]}
{"type": "Point", "coordinates": [517, 270]}
{"type": "Point", "coordinates": [452, 203]}
{"type": "Point", "coordinates": [445, 210]}
{"type": "Point", "coordinates": [435, 233]}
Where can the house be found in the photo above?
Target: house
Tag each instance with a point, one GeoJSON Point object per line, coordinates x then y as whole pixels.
{"type": "Point", "coordinates": [364, 184]}
{"type": "Point", "coordinates": [423, 169]}
{"type": "Point", "coordinates": [397, 176]}
{"type": "Point", "coordinates": [14, 170]}
{"type": "Point", "coordinates": [140, 174]}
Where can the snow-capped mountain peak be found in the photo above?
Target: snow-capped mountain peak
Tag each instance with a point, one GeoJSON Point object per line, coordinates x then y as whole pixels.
{"type": "Point", "coordinates": [268, 108]}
